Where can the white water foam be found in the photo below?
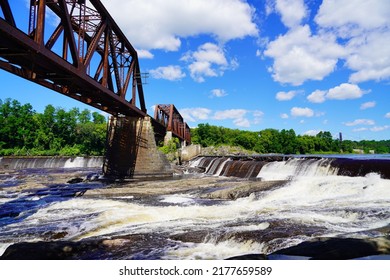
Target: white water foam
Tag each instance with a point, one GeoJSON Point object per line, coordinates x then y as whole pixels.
{"type": "Point", "coordinates": [176, 199]}
{"type": "Point", "coordinates": [294, 167]}
{"type": "Point", "coordinates": [83, 162]}
{"type": "Point", "coordinates": [3, 247]}
{"type": "Point", "coordinates": [342, 204]}
{"type": "Point", "coordinates": [196, 162]}
{"type": "Point", "coordinates": [54, 162]}
{"type": "Point", "coordinates": [217, 251]}
{"type": "Point", "coordinates": [316, 197]}
{"type": "Point", "coordinates": [220, 168]}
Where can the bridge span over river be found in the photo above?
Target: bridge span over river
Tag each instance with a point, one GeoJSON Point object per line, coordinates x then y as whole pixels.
{"type": "Point", "coordinates": [88, 58]}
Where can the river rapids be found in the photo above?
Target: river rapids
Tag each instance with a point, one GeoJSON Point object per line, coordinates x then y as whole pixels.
{"type": "Point", "coordinates": [213, 213]}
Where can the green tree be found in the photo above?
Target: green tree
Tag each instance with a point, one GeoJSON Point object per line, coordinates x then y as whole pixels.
{"type": "Point", "coordinates": [208, 135]}
{"type": "Point", "coordinates": [246, 139]}
{"type": "Point", "coordinates": [98, 118]}
{"type": "Point", "coordinates": [84, 116]}
{"type": "Point", "coordinates": [45, 137]}
{"type": "Point", "coordinates": [55, 131]}
{"type": "Point", "coordinates": [91, 138]}
{"type": "Point", "coordinates": [17, 126]}
{"type": "Point", "coordinates": [306, 144]}
{"type": "Point", "coordinates": [288, 141]}
{"type": "Point", "coordinates": [347, 146]}
{"type": "Point", "coordinates": [269, 140]}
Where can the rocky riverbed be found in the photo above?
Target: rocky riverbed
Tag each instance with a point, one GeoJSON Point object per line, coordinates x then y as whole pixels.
{"type": "Point", "coordinates": [58, 214]}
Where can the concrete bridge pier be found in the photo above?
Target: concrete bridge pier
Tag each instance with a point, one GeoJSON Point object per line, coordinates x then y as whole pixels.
{"type": "Point", "coordinates": [131, 150]}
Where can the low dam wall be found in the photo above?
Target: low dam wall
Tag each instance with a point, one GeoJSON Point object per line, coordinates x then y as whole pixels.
{"type": "Point", "coordinates": [285, 167]}
{"type": "Point", "coordinates": [14, 163]}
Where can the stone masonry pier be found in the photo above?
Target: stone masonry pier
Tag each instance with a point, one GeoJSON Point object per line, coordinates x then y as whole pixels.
{"type": "Point", "coordinates": [131, 150]}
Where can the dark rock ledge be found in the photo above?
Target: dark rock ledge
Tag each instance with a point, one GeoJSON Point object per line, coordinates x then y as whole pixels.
{"type": "Point", "coordinates": [122, 248]}
{"type": "Point", "coordinates": [329, 249]}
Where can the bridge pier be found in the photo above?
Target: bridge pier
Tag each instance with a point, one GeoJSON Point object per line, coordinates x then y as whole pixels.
{"type": "Point", "coordinates": [131, 150]}
{"type": "Point", "coordinates": [168, 137]}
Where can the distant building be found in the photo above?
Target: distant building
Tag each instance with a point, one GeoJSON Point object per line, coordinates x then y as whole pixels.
{"type": "Point", "coordinates": [360, 151]}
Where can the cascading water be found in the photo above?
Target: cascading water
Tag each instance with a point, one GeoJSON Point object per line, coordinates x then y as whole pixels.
{"type": "Point", "coordinates": [313, 199]}
{"type": "Point", "coordinates": [279, 168]}
{"type": "Point", "coordinates": [17, 163]}
{"type": "Point", "coordinates": [296, 167]}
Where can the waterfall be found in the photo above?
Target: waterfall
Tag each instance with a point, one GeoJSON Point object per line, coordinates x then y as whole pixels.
{"type": "Point", "coordinates": [17, 163]}
{"type": "Point", "coordinates": [294, 167]}
{"type": "Point", "coordinates": [221, 166]}
{"type": "Point", "coordinates": [214, 164]}
{"type": "Point", "coordinates": [196, 162]}
{"type": "Point", "coordinates": [83, 162]}
{"type": "Point", "coordinates": [281, 168]}
{"type": "Point", "coordinates": [228, 167]}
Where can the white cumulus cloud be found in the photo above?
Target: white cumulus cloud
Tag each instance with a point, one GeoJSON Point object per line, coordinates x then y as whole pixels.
{"type": "Point", "coordinates": [317, 96]}
{"type": "Point", "coordinates": [352, 31]}
{"type": "Point", "coordinates": [345, 91]}
{"type": "Point", "coordinates": [365, 35]}
{"type": "Point", "coordinates": [285, 96]}
{"type": "Point", "coordinates": [300, 56]}
{"type": "Point", "coordinates": [312, 132]}
{"type": "Point", "coordinates": [349, 15]}
{"type": "Point", "coordinates": [208, 61]}
{"type": "Point", "coordinates": [367, 105]}
{"type": "Point", "coordinates": [237, 115]}
{"type": "Point", "coordinates": [171, 73]}
{"type": "Point", "coordinates": [368, 58]}
{"type": "Point", "coordinates": [387, 115]}
{"type": "Point", "coordinates": [284, 116]}
{"type": "Point", "coordinates": [218, 92]}
{"type": "Point", "coordinates": [379, 128]}
{"type": "Point", "coordinates": [157, 24]}
{"type": "Point", "coordinates": [360, 122]}
{"type": "Point", "coordinates": [243, 122]}
{"type": "Point", "coordinates": [291, 11]}
{"type": "Point", "coordinates": [195, 114]}
{"type": "Point", "coordinates": [230, 114]}
{"type": "Point", "coordinates": [145, 54]}
{"type": "Point", "coordinates": [302, 112]}
{"type": "Point", "coordinates": [341, 92]}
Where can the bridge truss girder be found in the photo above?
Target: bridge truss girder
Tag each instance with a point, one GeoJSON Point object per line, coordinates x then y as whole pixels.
{"type": "Point", "coordinates": [168, 116]}
{"type": "Point", "coordinates": [86, 56]}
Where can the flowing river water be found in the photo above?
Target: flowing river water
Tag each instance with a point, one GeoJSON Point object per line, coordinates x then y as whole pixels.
{"type": "Point", "coordinates": [208, 215]}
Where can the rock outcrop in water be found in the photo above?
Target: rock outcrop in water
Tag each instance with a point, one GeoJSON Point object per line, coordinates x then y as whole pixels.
{"type": "Point", "coordinates": [121, 247]}
{"type": "Point", "coordinates": [89, 249]}
{"type": "Point", "coordinates": [330, 249]}
{"type": "Point", "coordinates": [242, 190]}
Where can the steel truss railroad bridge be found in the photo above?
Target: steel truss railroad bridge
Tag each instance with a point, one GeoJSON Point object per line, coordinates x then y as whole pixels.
{"type": "Point", "coordinates": [86, 57]}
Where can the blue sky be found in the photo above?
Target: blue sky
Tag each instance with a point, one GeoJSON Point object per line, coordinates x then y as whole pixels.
{"type": "Point", "coordinates": [308, 65]}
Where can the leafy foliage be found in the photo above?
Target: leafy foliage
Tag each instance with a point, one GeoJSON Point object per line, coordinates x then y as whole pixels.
{"type": "Point", "coordinates": [53, 132]}
{"type": "Point", "coordinates": [171, 146]}
{"type": "Point", "coordinates": [284, 141]}
{"type": "Point", "coordinates": [70, 133]}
